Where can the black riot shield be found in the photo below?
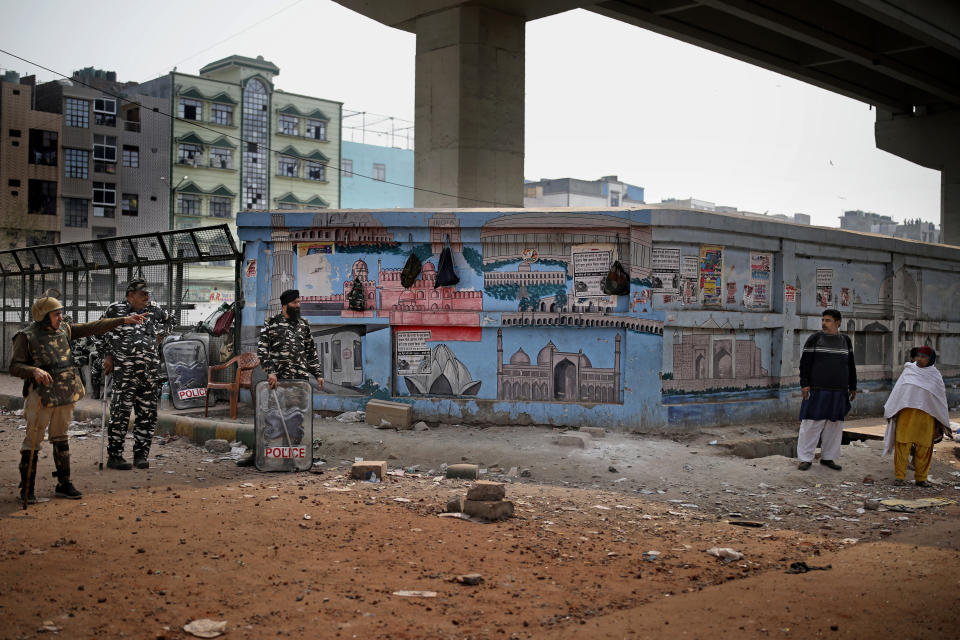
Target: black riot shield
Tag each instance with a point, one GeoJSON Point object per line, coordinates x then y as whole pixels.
{"type": "Point", "coordinates": [284, 426]}
{"type": "Point", "coordinates": [186, 366]}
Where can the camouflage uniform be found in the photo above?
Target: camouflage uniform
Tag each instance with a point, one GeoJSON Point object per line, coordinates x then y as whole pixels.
{"type": "Point", "coordinates": [136, 376]}
{"type": "Point", "coordinates": [287, 349]}
{"type": "Point", "coordinates": [95, 350]}
{"type": "Point", "coordinates": [39, 346]}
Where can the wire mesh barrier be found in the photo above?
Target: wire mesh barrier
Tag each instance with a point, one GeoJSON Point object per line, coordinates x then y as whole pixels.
{"type": "Point", "coordinates": [188, 271]}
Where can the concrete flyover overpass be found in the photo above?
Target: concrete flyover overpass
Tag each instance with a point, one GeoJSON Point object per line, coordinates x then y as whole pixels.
{"type": "Point", "coordinates": [902, 56]}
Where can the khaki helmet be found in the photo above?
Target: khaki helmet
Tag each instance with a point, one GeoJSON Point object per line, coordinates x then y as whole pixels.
{"type": "Point", "coordinates": [42, 306]}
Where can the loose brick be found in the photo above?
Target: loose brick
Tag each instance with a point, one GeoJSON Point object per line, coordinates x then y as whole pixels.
{"type": "Point", "coordinates": [361, 470]}
{"type": "Point", "coordinates": [489, 509]}
{"type": "Point", "coordinates": [398, 414]}
{"type": "Point", "coordinates": [573, 439]}
{"type": "Point", "coordinates": [455, 504]}
{"type": "Point", "coordinates": [465, 471]}
{"type": "Point", "coordinates": [485, 490]}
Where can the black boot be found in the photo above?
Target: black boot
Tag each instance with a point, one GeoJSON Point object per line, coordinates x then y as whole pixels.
{"type": "Point", "coordinates": [61, 458]}
{"type": "Point", "coordinates": [28, 474]}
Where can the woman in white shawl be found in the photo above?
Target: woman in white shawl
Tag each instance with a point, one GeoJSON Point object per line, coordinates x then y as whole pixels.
{"type": "Point", "coordinates": [917, 403]}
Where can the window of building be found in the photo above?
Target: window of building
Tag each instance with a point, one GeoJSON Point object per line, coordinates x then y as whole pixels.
{"type": "Point", "coordinates": [76, 163]}
{"type": "Point", "coordinates": [254, 159]}
{"type": "Point", "coordinates": [380, 172]}
{"type": "Point", "coordinates": [220, 207]}
{"type": "Point", "coordinates": [105, 112]}
{"type": "Point", "coordinates": [221, 158]}
{"type": "Point", "coordinates": [43, 147]}
{"type": "Point", "coordinates": [14, 133]}
{"type": "Point", "coordinates": [316, 171]}
{"type": "Point", "coordinates": [131, 119]}
{"type": "Point", "coordinates": [130, 204]}
{"type": "Point", "coordinates": [105, 148]}
{"type": "Point", "coordinates": [190, 154]}
{"type": "Point", "coordinates": [42, 197]}
{"type": "Point", "coordinates": [287, 205]}
{"type": "Point", "coordinates": [75, 212]}
{"type": "Point", "coordinates": [131, 156]}
{"type": "Point", "coordinates": [104, 167]}
{"type": "Point", "coordinates": [104, 199]}
{"type": "Point", "coordinates": [317, 129]}
{"type": "Point", "coordinates": [76, 112]}
{"type": "Point", "coordinates": [335, 356]}
{"type": "Point", "coordinates": [614, 199]}
{"type": "Point", "coordinates": [188, 204]}
{"type": "Point", "coordinates": [288, 125]}
{"type": "Point", "coordinates": [221, 114]}
{"type": "Point", "coordinates": [13, 182]}
{"type": "Point", "coordinates": [288, 167]}
{"type": "Point", "coordinates": [187, 224]}
{"type": "Point", "coordinates": [99, 233]}
{"type": "Point", "coordinates": [35, 238]}
{"type": "Point", "coordinates": [191, 109]}
{"type": "Point", "coordinates": [346, 168]}
{"type": "Point", "coordinates": [357, 355]}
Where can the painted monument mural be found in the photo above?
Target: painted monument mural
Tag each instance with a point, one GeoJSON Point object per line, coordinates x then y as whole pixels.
{"type": "Point", "coordinates": [529, 329]}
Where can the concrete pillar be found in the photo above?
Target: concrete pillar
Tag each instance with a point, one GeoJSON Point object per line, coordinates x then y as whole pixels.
{"type": "Point", "coordinates": [932, 140]}
{"type": "Point", "coordinates": [950, 202]}
{"type": "Point", "coordinates": [469, 108]}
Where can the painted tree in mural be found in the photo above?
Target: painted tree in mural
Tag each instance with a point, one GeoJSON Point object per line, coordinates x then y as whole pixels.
{"type": "Point", "coordinates": [561, 300]}
{"type": "Point", "coordinates": [523, 305]}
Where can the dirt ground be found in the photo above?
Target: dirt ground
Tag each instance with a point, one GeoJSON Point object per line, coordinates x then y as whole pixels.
{"type": "Point", "coordinates": [319, 555]}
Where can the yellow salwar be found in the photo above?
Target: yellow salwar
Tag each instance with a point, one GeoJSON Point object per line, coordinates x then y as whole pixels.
{"type": "Point", "coordinates": [914, 427]}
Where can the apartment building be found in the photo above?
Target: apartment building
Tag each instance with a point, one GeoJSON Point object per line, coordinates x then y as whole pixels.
{"type": "Point", "coordinates": [30, 165]}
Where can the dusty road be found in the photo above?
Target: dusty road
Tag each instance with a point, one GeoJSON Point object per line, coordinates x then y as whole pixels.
{"type": "Point", "coordinates": [321, 556]}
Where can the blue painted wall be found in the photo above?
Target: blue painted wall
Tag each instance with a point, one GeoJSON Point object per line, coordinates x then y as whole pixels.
{"type": "Point", "coordinates": [359, 192]}
{"type": "Point", "coordinates": [513, 342]}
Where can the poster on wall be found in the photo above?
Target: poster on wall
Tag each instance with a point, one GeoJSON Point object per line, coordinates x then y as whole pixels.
{"type": "Point", "coordinates": [310, 248]}
{"type": "Point", "coordinates": [413, 354]}
{"type": "Point", "coordinates": [711, 275]}
{"type": "Point", "coordinates": [690, 291]}
{"type": "Point", "coordinates": [824, 287]}
{"type": "Point", "coordinates": [731, 293]}
{"type": "Point", "coordinates": [759, 287]}
{"type": "Point", "coordinates": [789, 293]}
{"type": "Point", "coordinates": [845, 297]}
{"type": "Point", "coordinates": [591, 264]}
{"type": "Point", "coordinates": [250, 268]}
{"type": "Point", "coordinates": [690, 267]}
{"type": "Point", "coordinates": [666, 269]}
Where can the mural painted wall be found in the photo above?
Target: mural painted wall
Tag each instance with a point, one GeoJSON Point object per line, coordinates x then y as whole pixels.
{"type": "Point", "coordinates": [527, 333]}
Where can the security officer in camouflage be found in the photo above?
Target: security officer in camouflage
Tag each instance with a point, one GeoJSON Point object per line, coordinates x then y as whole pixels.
{"type": "Point", "coordinates": [286, 349]}
{"type": "Point", "coordinates": [132, 356]}
{"type": "Point", "coordinates": [95, 349]}
{"type": "Point", "coordinates": [52, 385]}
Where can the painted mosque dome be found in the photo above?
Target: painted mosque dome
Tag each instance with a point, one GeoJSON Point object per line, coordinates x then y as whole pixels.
{"type": "Point", "coordinates": [545, 354]}
{"type": "Point", "coordinates": [520, 357]}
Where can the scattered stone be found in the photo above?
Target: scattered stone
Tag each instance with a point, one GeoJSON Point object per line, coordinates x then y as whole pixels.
{"type": "Point", "coordinates": [362, 470]}
{"type": "Point", "coordinates": [526, 473]}
{"type": "Point", "coordinates": [384, 424]}
{"type": "Point", "coordinates": [464, 471]}
{"type": "Point", "coordinates": [206, 628]}
{"type": "Point", "coordinates": [725, 553]}
{"type": "Point", "coordinates": [421, 426]}
{"type": "Point", "coordinates": [869, 480]}
{"type": "Point", "coordinates": [573, 439]}
{"type": "Point", "coordinates": [398, 414]}
{"type": "Point", "coordinates": [650, 556]}
{"type": "Point", "coordinates": [486, 490]}
{"type": "Point", "coordinates": [455, 505]}
{"type": "Point", "coordinates": [612, 469]}
{"type": "Point", "coordinates": [469, 578]}
{"type": "Point", "coordinates": [351, 416]}
{"type": "Point", "coordinates": [217, 445]}
{"type": "Point", "coordinates": [489, 510]}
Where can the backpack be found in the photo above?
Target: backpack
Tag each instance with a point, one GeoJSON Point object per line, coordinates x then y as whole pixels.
{"type": "Point", "coordinates": [355, 299]}
{"type": "Point", "coordinates": [617, 281]}
{"type": "Point", "coordinates": [446, 276]}
{"type": "Point", "coordinates": [411, 271]}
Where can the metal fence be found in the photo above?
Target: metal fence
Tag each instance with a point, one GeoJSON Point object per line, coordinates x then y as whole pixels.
{"type": "Point", "coordinates": [88, 276]}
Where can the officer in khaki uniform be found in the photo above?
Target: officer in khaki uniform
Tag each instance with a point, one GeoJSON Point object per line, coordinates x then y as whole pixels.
{"type": "Point", "coordinates": [41, 356]}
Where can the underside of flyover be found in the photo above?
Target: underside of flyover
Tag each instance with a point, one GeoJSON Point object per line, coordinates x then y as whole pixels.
{"type": "Point", "coordinates": [901, 56]}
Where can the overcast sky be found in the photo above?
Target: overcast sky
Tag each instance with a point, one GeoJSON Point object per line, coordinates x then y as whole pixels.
{"type": "Point", "coordinates": [603, 97]}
